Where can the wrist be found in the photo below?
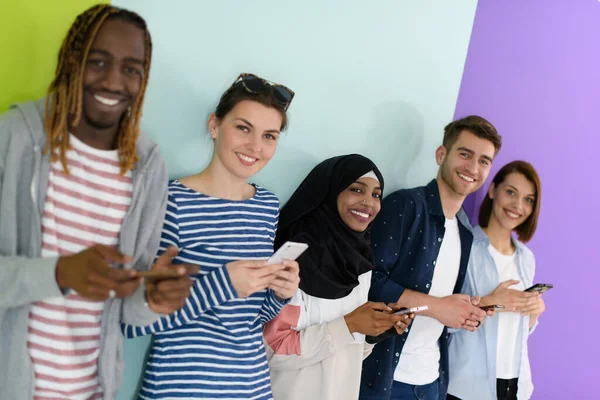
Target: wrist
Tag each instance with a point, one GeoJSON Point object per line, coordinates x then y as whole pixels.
{"type": "Point", "coordinates": [435, 307]}
{"type": "Point", "coordinates": [487, 300]}
{"type": "Point", "coordinates": [279, 297]}
{"type": "Point", "coordinates": [349, 323]}
{"type": "Point", "coordinates": [60, 274]}
{"type": "Point", "coordinates": [148, 301]}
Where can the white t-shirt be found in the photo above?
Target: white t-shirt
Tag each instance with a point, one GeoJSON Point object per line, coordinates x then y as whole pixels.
{"type": "Point", "coordinates": [507, 353]}
{"type": "Point", "coordinates": [420, 359]}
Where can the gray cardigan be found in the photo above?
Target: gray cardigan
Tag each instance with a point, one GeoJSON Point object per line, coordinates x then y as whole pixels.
{"type": "Point", "coordinates": [26, 278]}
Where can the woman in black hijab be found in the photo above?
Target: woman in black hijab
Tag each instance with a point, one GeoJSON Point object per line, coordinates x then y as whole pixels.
{"type": "Point", "coordinates": [317, 343]}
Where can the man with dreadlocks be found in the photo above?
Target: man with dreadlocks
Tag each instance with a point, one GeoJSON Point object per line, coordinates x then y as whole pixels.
{"type": "Point", "coordinates": [82, 202]}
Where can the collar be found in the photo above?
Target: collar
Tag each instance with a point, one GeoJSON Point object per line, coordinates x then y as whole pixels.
{"type": "Point", "coordinates": [434, 202]}
{"type": "Point", "coordinates": [479, 236]}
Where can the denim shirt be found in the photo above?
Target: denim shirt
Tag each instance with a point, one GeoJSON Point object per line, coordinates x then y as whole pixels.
{"type": "Point", "coordinates": [406, 239]}
{"type": "Point", "coordinates": [473, 354]}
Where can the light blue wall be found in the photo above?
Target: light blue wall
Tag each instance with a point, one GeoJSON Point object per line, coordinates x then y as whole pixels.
{"type": "Point", "coordinates": [379, 78]}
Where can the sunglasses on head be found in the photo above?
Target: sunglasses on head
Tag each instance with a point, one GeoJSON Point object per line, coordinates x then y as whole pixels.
{"type": "Point", "coordinates": [255, 84]}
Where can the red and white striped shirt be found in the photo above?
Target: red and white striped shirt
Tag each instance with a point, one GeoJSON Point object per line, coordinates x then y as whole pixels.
{"type": "Point", "coordinates": [84, 208]}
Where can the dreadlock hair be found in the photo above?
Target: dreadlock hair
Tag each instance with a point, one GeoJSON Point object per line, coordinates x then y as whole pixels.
{"type": "Point", "coordinates": [64, 98]}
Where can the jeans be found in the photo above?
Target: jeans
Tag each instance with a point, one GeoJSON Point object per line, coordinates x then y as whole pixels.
{"type": "Point", "coordinates": [404, 391]}
{"type": "Point", "coordinates": [506, 389]}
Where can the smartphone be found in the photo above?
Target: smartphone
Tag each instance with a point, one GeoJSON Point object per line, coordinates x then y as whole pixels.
{"type": "Point", "coordinates": [540, 287]}
{"type": "Point", "coordinates": [289, 251]}
{"type": "Point", "coordinates": [411, 310]}
{"type": "Point", "coordinates": [158, 275]}
{"type": "Point", "coordinates": [392, 331]}
{"type": "Point", "coordinates": [492, 307]}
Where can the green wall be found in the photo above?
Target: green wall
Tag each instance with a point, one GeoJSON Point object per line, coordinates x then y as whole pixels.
{"type": "Point", "coordinates": [31, 33]}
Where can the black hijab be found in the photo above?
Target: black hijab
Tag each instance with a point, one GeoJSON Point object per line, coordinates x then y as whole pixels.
{"type": "Point", "coordinates": [336, 255]}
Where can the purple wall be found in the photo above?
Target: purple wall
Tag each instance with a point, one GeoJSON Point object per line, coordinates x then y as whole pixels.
{"type": "Point", "coordinates": [533, 69]}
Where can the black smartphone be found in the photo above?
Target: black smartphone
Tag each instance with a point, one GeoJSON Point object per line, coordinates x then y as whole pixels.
{"type": "Point", "coordinates": [540, 287]}
{"type": "Point", "coordinates": [492, 307]}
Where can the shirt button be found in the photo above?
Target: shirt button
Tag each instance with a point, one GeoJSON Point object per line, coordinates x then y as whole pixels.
{"type": "Point", "coordinates": [427, 286]}
{"type": "Point", "coordinates": [36, 148]}
{"type": "Point", "coordinates": [439, 239]}
{"type": "Point", "coordinates": [433, 262]}
{"type": "Point", "coordinates": [397, 354]}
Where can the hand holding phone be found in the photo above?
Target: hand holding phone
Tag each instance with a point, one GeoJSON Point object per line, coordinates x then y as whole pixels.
{"type": "Point", "coordinates": [288, 251]}
{"type": "Point", "coordinates": [375, 318]}
{"type": "Point", "coordinates": [168, 284]}
{"type": "Point", "coordinates": [393, 331]}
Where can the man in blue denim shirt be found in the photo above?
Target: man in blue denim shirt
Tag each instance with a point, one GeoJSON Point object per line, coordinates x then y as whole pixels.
{"type": "Point", "coordinates": [422, 240]}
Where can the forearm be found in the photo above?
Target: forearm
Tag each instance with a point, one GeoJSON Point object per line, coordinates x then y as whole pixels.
{"type": "Point", "coordinates": [27, 280]}
{"type": "Point", "coordinates": [271, 306]}
{"type": "Point", "coordinates": [208, 291]}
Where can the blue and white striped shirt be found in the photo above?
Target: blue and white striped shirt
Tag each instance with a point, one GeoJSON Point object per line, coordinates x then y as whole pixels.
{"type": "Point", "coordinates": [212, 348]}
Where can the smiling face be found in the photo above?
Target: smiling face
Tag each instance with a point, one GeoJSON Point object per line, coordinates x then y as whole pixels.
{"type": "Point", "coordinates": [113, 74]}
{"type": "Point", "coordinates": [513, 200]}
{"type": "Point", "coordinates": [466, 165]}
{"type": "Point", "coordinates": [359, 203]}
{"type": "Point", "coordinates": [246, 138]}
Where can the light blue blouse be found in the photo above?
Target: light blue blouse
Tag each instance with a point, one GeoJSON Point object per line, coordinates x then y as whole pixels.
{"type": "Point", "coordinates": [472, 355]}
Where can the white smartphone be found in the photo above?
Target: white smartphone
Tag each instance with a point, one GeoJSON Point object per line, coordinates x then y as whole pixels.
{"type": "Point", "coordinates": [411, 310]}
{"type": "Point", "coordinates": [289, 251]}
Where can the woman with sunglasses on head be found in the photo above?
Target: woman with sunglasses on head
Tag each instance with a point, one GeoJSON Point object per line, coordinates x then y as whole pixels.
{"type": "Point", "coordinates": [212, 347]}
{"type": "Point", "coordinates": [493, 362]}
{"type": "Point", "coordinates": [317, 343]}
